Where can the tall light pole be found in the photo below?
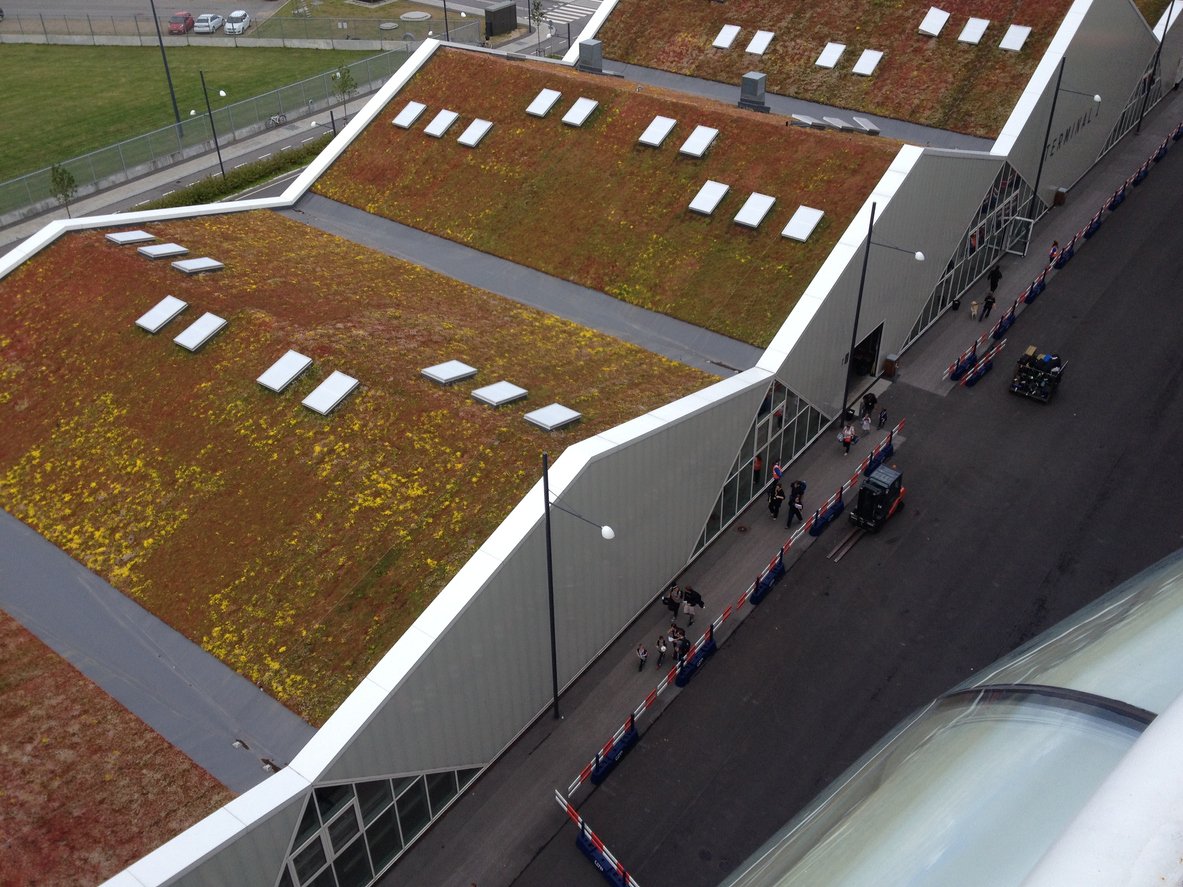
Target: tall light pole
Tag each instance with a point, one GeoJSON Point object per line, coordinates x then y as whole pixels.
{"type": "Point", "coordinates": [605, 531]}
{"type": "Point", "coordinates": [858, 305]}
{"type": "Point", "coordinates": [1153, 78]}
{"type": "Point", "coordinates": [210, 112]}
{"type": "Point", "coordinates": [447, 33]}
{"type": "Point", "coordinates": [167, 76]}
{"type": "Point", "coordinates": [1048, 133]}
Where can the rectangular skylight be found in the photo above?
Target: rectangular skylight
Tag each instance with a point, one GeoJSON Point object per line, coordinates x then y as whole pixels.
{"type": "Point", "coordinates": [471, 137]}
{"type": "Point", "coordinates": [543, 102]}
{"type": "Point", "coordinates": [200, 331]}
{"type": "Point", "coordinates": [551, 417]}
{"type": "Point", "coordinates": [934, 22]}
{"type": "Point", "coordinates": [123, 238]}
{"type": "Point", "coordinates": [708, 197]}
{"type": "Point", "coordinates": [755, 208]}
{"type": "Point", "coordinates": [499, 393]}
{"type": "Point", "coordinates": [197, 266]}
{"type": "Point", "coordinates": [839, 123]}
{"type": "Point", "coordinates": [867, 62]}
{"type": "Point", "coordinates": [727, 35]}
{"type": "Point", "coordinates": [760, 42]}
{"type": "Point", "coordinates": [161, 313]}
{"type": "Point", "coordinates": [806, 120]}
{"type": "Point", "coordinates": [655, 133]}
{"type": "Point", "coordinates": [830, 55]}
{"type": "Point", "coordinates": [162, 250]}
{"type": "Point", "coordinates": [868, 125]}
{"type": "Point", "coordinates": [407, 116]}
{"type": "Point", "coordinates": [580, 111]}
{"type": "Point", "coordinates": [325, 397]}
{"type": "Point", "coordinates": [1016, 36]}
{"type": "Point", "coordinates": [973, 30]}
{"type": "Point", "coordinates": [284, 371]}
{"type": "Point", "coordinates": [801, 225]}
{"type": "Point", "coordinates": [440, 123]}
{"type": "Point", "coordinates": [449, 371]}
{"type": "Point", "coordinates": [699, 141]}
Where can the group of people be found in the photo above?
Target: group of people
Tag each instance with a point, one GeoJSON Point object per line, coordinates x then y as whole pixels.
{"type": "Point", "coordinates": [777, 498]}
{"type": "Point", "coordinates": [679, 600]}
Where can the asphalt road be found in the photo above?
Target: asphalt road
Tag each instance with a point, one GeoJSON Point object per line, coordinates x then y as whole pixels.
{"type": "Point", "coordinates": [1018, 514]}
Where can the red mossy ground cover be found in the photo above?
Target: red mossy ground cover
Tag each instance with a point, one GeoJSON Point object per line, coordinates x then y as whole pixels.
{"type": "Point", "coordinates": [935, 81]}
{"type": "Point", "coordinates": [88, 788]}
{"type": "Point", "coordinates": [295, 547]}
{"type": "Point", "coordinates": [593, 206]}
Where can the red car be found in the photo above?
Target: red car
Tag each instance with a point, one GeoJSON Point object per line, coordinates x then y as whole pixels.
{"type": "Point", "coordinates": [181, 23]}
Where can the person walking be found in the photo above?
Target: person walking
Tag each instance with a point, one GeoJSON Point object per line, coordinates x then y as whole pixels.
{"type": "Point", "coordinates": [847, 438]}
{"type": "Point", "coordinates": [867, 424]}
{"type": "Point", "coordinates": [994, 278]}
{"type": "Point", "coordinates": [987, 305]}
{"type": "Point", "coordinates": [692, 600]}
{"type": "Point", "coordinates": [794, 510]}
{"type": "Point", "coordinates": [1053, 253]}
{"type": "Point", "coordinates": [882, 417]}
{"type": "Point", "coordinates": [776, 497]}
{"type": "Point", "coordinates": [642, 656]}
{"type": "Point", "coordinates": [662, 649]}
{"type": "Point", "coordinates": [869, 401]}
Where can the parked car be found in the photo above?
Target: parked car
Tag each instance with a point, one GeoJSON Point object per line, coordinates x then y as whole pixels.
{"type": "Point", "coordinates": [208, 23]}
{"type": "Point", "coordinates": [238, 21]}
{"type": "Point", "coordinates": [181, 23]}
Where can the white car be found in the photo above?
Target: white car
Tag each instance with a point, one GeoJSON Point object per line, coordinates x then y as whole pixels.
{"type": "Point", "coordinates": [208, 23]}
{"type": "Point", "coordinates": [238, 21]}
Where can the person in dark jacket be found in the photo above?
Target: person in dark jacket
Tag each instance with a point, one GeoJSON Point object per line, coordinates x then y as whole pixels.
{"type": "Point", "coordinates": [994, 277]}
{"type": "Point", "coordinates": [776, 497]}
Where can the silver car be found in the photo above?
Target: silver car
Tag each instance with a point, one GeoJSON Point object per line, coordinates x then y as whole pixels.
{"type": "Point", "coordinates": [238, 21]}
{"type": "Point", "coordinates": [208, 23]}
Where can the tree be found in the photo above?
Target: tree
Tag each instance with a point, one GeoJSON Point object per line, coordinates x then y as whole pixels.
{"type": "Point", "coordinates": [62, 185]}
{"type": "Point", "coordinates": [344, 85]}
{"type": "Point", "coordinates": [536, 19]}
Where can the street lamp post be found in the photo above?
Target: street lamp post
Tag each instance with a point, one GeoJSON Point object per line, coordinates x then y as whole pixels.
{"type": "Point", "coordinates": [447, 33]}
{"type": "Point", "coordinates": [167, 76]}
{"type": "Point", "coordinates": [858, 305]}
{"type": "Point", "coordinates": [1048, 133]}
{"type": "Point", "coordinates": [605, 531]}
{"type": "Point", "coordinates": [210, 111]}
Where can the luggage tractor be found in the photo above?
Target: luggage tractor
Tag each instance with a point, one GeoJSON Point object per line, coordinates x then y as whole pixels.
{"type": "Point", "coordinates": [879, 497]}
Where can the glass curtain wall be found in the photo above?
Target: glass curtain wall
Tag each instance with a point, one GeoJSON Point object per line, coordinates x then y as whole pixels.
{"type": "Point", "coordinates": [784, 425]}
{"type": "Point", "coordinates": [351, 833]}
{"type": "Point", "coordinates": [1133, 108]}
{"type": "Point", "coordinates": [1000, 226]}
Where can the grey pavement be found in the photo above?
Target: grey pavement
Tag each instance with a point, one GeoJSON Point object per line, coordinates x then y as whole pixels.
{"type": "Point", "coordinates": [183, 693]}
{"type": "Point", "coordinates": [785, 106]}
{"type": "Point", "coordinates": [659, 333]}
{"type": "Point", "coordinates": [656, 812]}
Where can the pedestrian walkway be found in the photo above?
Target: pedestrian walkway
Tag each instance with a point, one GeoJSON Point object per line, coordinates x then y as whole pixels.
{"type": "Point", "coordinates": [570, 12]}
{"type": "Point", "coordinates": [222, 721]}
{"type": "Point", "coordinates": [659, 333]}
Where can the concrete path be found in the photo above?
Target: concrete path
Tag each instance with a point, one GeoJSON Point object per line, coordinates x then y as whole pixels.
{"type": "Point", "coordinates": [659, 333]}
{"type": "Point", "coordinates": [785, 106]}
{"type": "Point", "coordinates": [183, 693]}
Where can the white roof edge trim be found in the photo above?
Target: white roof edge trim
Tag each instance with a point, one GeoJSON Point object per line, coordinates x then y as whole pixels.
{"type": "Point", "coordinates": [1171, 14]}
{"type": "Point", "coordinates": [844, 251]}
{"type": "Point", "coordinates": [206, 837]}
{"type": "Point", "coordinates": [1128, 831]}
{"type": "Point", "coordinates": [1040, 81]}
{"type": "Point", "coordinates": [590, 30]}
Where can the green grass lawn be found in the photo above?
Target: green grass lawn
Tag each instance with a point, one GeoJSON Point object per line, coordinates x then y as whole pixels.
{"type": "Point", "coordinates": [63, 101]}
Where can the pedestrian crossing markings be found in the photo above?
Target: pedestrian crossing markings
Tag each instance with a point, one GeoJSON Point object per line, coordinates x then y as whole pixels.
{"type": "Point", "coordinates": [569, 12]}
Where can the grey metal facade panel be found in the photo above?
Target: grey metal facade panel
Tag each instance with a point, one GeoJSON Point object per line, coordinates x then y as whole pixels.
{"type": "Point", "coordinates": [1107, 56]}
{"type": "Point", "coordinates": [488, 675]}
{"type": "Point", "coordinates": [254, 857]}
{"type": "Point", "coordinates": [934, 204]}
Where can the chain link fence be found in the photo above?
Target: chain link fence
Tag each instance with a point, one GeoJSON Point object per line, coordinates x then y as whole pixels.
{"type": "Point", "coordinates": [121, 162]}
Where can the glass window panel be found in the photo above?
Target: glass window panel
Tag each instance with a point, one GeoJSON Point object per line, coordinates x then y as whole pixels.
{"type": "Point", "coordinates": [464, 777]}
{"type": "Point", "coordinates": [373, 797]}
{"type": "Point", "coordinates": [799, 431]}
{"type": "Point", "coordinates": [331, 798]}
{"type": "Point", "coordinates": [402, 783]}
{"type": "Point", "coordinates": [762, 433]}
{"type": "Point", "coordinates": [727, 512]}
{"type": "Point", "coordinates": [413, 812]}
{"type": "Point", "coordinates": [749, 444]}
{"type": "Point", "coordinates": [441, 788]}
{"type": "Point", "coordinates": [815, 422]}
{"type": "Point", "coordinates": [744, 486]}
{"type": "Point", "coordinates": [714, 523]}
{"type": "Point", "coordinates": [343, 828]}
{"type": "Point", "coordinates": [309, 860]}
{"type": "Point", "coordinates": [309, 823]}
{"type": "Point", "coordinates": [324, 879]}
{"type": "Point", "coordinates": [353, 866]}
{"type": "Point", "coordinates": [384, 838]}
{"type": "Point", "coordinates": [285, 877]}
